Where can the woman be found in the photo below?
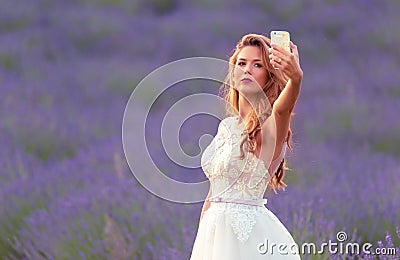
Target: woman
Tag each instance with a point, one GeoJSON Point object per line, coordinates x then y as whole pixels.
{"type": "Point", "coordinates": [247, 155]}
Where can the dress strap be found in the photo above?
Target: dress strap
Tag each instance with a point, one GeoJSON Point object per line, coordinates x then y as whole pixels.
{"type": "Point", "coordinates": [253, 202]}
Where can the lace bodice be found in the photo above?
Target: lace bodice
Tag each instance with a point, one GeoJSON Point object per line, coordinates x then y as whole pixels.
{"type": "Point", "coordinates": [231, 177]}
{"type": "Point", "coordinates": [241, 181]}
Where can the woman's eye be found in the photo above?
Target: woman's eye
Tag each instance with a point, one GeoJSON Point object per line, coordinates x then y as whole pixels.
{"type": "Point", "coordinates": [241, 63]}
{"type": "Point", "coordinates": [258, 65]}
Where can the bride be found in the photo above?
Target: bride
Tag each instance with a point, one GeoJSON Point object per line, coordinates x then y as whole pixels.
{"type": "Point", "coordinates": [247, 155]}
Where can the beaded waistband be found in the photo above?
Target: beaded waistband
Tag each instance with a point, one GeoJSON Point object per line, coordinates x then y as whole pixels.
{"type": "Point", "coordinates": [254, 202]}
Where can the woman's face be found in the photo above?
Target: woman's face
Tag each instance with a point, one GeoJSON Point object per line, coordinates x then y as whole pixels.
{"type": "Point", "coordinates": [250, 74]}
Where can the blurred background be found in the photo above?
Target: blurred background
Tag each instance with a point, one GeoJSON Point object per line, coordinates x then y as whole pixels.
{"type": "Point", "coordinates": [68, 68]}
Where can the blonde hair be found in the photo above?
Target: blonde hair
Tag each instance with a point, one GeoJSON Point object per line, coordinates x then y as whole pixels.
{"type": "Point", "coordinates": [276, 82]}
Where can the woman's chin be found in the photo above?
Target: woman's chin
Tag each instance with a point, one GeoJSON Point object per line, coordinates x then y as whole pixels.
{"type": "Point", "coordinates": [248, 88]}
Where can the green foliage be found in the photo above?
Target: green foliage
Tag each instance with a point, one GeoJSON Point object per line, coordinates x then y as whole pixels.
{"type": "Point", "coordinates": [48, 146]}
{"type": "Point", "coordinates": [15, 24]}
{"type": "Point", "coordinates": [9, 61]}
{"type": "Point", "coordinates": [389, 144]}
{"type": "Point", "coordinates": [13, 222]}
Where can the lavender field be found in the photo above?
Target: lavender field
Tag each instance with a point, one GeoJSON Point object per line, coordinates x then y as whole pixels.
{"type": "Point", "coordinates": [68, 68]}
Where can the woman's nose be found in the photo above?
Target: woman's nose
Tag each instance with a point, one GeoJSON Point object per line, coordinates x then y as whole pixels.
{"type": "Point", "coordinates": [247, 69]}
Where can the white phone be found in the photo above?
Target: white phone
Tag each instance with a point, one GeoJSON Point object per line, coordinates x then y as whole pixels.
{"type": "Point", "coordinates": [281, 38]}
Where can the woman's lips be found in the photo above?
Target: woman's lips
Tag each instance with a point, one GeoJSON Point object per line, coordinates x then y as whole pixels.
{"type": "Point", "coordinates": [246, 80]}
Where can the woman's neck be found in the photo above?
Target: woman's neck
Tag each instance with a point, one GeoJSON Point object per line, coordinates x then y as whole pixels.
{"type": "Point", "coordinates": [244, 107]}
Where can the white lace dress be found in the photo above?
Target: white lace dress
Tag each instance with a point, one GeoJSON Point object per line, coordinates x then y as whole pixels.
{"type": "Point", "coordinates": [238, 225]}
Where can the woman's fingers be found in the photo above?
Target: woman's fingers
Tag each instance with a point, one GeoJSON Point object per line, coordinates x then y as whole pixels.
{"type": "Point", "coordinates": [276, 57]}
{"type": "Point", "coordinates": [294, 48]}
{"type": "Point", "coordinates": [287, 62]}
{"type": "Point", "coordinates": [278, 54]}
{"type": "Point", "coordinates": [278, 63]}
{"type": "Point", "coordinates": [277, 51]}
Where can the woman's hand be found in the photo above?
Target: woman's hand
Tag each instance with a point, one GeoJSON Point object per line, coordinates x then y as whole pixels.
{"type": "Point", "coordinates": [287, 62]}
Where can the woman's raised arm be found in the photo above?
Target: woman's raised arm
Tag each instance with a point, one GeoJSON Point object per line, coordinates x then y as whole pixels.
{"type": "Point", "coordinates": [289, 64]}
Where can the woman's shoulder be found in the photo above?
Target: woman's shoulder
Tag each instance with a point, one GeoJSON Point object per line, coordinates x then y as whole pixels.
{"type": "Point", "coordinates": [230, 119]}
{"type": "Point", "coordinates": [226, 123]}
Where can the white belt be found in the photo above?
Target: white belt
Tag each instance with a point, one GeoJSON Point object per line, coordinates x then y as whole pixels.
{"type": "Point", "coordinates": [254, 202]}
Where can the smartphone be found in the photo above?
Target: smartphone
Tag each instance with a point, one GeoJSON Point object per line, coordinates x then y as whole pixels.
{"type": "Point", "coordinates": [281, 38]}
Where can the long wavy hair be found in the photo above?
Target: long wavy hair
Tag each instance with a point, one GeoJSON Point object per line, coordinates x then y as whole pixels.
{"type": "Point", "coordinates": [276, 82]}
